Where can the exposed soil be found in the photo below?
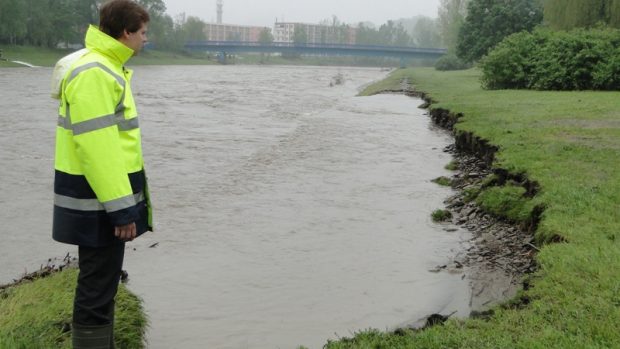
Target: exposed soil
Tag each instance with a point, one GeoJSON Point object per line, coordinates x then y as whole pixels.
{"type": "Point", "coordinates": [53, 265]}
{"type": "Point", "coordinates": [500, 253]}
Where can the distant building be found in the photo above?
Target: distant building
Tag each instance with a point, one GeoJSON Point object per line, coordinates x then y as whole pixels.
{"type": "Point", "coordinates": [232, 32]}
{"type": "Point", "coordinates": [315, 33]}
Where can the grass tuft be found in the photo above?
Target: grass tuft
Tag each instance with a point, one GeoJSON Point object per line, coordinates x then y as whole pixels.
{"type": "Point", "coordinates": [452, 166]}
{"type": "Point", "coordinates": [441, 215]}
{"type": "Point", "coordinates": [443, 181]}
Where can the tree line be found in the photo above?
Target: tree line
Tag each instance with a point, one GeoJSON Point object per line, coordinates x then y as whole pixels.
{"type": "Point", "coordinates": [535, 44]}
{"type": "Point", "coordinates": [568, 14]}
{"type": "Point", "coordinates": [470, 28]}
{"type": "Point", "coordinates": [52, 23]}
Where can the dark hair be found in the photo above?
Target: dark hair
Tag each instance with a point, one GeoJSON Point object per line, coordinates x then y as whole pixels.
{"type": "Point", "coordinates": [116, 16]}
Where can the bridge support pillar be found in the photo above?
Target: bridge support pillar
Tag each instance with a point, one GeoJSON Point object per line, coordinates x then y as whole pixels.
{"type": "Point", "coordinates": [221, 57]}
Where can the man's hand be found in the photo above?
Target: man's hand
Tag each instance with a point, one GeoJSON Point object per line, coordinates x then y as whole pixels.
{"type": "Point", "coordinates": [126, 232]}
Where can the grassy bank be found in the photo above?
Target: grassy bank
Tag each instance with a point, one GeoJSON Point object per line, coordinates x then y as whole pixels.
{"type": "Point", "coordinates": [568, 142]}
{"type": "Point", "coordinates": [48, 57]}
{"type": "Point", "coordinates": [37, 314]}
{"type": "Point", "coordinates": [33, 55]}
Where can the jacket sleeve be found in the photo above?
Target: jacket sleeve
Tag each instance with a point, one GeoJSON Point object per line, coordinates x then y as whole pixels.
{"type": "Point", "coordinates": [92, 98]}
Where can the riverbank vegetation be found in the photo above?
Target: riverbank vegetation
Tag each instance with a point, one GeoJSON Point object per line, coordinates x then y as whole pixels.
{"type": "Point", "coordinates": [37, 314]}
{"type": "Point", "coordinates": [572, 47]}
{"type": "Point", "coordinates": [567, 142]}
{"type": "Point", "coordinates": [46, 57]}
{"type": "Point", "coordinates": [547, 60]}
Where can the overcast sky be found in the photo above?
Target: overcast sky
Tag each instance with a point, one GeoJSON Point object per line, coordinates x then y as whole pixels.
{"type": "Point", "coordinates": [265, 12]}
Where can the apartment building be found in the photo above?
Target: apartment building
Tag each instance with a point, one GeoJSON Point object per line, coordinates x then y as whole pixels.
{"type": "Point", "coordinates": [233, 32]}
{"type": "Point", "coordinates": [315, 33]}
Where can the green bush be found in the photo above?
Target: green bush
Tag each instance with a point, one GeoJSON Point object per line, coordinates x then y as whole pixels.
{"type": "Point", "coordinates": [546, 60]}
{"type": "Point", "coordinates": [451, 62]}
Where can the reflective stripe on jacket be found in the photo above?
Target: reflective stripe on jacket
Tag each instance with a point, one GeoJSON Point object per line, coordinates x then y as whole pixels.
{"type": "Point", "coordinates": [99, 181]}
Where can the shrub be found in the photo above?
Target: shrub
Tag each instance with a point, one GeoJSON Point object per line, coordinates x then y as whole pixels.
{"type": "Point", "coordinates": [545, 60]}
{"type": "Point", "coordinates": [451, 62]}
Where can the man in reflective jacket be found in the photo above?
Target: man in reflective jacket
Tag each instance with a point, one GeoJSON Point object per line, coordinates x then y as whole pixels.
{"type": "Point", "coordinates": [101, 197]}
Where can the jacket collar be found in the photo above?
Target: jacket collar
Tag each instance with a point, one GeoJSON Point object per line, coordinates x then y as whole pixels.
{"type": "Point", "coordinates": [98, 41]}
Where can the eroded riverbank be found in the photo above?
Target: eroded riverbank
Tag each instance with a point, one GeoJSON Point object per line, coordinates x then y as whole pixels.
{"type": "Point", "coordinates": [568, 143]}
{"type": "Point", "coordinates": [502, 250]}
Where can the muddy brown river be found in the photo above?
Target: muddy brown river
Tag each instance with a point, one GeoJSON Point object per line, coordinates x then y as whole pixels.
{"type": "Point", "coordinates": [287, 212]}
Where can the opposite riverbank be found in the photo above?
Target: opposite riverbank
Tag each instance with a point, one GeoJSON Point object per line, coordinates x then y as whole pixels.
{"type": "Point", "coordinates": [45, 57]}
{"type": "Point", "coordinates": [555, 160]}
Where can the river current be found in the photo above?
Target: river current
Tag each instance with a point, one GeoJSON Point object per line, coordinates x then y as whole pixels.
{"type": "Point", "coordinates": [287, 211]}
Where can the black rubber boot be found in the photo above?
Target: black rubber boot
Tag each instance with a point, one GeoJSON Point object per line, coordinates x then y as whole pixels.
{"type": "Point", "coordinates": [92, 337]}
{"type": "Point", "coordinates": [112, 346]}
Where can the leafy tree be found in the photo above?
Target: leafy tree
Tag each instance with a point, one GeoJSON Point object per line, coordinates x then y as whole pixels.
{"type": "Point", "coordinates": [265, 37]}
{"type": "Point", "coordinates": [155, 8]}
{"type": "Point", "coordinates": [568, 14]}
{"type": "Point", "coordinates": [13, 28]}
{"type": "Point", "coordinates": [489, 21]}
{"type": "Point", "coordinates": [49, 23]}
{"type": "Point", "coordinates": [194, 29]}
{"type": "Point", "coordinates": [393, 34]}
{"type": "Point", "coordinates": [426, 33]}
{"type": "Point", "coordinates": [300, 37]}
{"type": "Point", "coordinates": [614, 13]}
{"type": "Point", "coordinates": [366, 34]}
{"type": "Point", "coordinates": [451, 17]}
{"type": "Point", "coordinates": [161, 33]}
{"type": "Point", "coordinates": [334, 31]}
{"type": "Point", "coordinates": [389, 34]}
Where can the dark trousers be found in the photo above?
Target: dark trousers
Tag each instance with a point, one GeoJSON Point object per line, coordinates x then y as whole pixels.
{"type": "Point", "coordinates": [100, 273]}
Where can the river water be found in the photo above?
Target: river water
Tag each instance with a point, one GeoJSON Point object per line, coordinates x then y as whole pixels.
{"type": "Point", "coordinates": [287, 212]}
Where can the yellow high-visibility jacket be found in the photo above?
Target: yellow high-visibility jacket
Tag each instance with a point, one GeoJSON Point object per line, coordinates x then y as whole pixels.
{"type": "Point", "coordinates": [99, 180]}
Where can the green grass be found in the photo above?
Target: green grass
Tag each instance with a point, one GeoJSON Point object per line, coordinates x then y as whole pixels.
{"type": "Point", "coordinates": [441, 215]}
{"type": "Point", "coordinates": [443, 181]}
{"type": "Point", "coordinates": [452, 166]}
{"type": "Point", "coordinates": [33, 55]}
{"type": "Point", "coordinates": [392, 83]}
{"type": "Point", "coordinates": [507, 202]}
{"type": "Point", "coordinates": [33, 314]}
{"type": "Point", "coordinates": [152, 57]}
{"type": "Point", "coordinates": [569, 142]}
{"type": "Point", "coordinates": [47, 57]}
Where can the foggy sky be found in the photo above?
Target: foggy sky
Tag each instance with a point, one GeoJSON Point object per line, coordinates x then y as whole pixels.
{"type": "Point", "coordinates": [265, 12]}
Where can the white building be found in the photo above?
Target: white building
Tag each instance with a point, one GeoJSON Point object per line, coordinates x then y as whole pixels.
{"type": "Point", "coordinates": [315, 33]}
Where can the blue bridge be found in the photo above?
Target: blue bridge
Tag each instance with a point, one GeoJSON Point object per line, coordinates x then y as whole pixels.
{"type": "Point", "coordinates": [232, 47]}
